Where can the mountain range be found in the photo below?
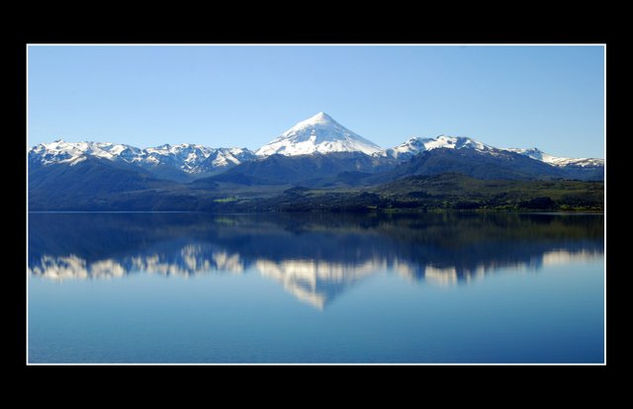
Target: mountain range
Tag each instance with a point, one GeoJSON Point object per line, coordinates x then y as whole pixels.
{"type": "Point", "coordinates": [316, 152]}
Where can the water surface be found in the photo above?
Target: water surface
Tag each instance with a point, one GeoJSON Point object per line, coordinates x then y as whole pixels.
{"type": "Point", "coordinates": [199, 288]}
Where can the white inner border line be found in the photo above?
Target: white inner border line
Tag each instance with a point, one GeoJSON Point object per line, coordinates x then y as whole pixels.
{"type": "Point", "coordinates": [329, 45]}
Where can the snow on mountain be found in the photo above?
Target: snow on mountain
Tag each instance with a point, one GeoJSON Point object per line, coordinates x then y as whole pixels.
{"type": "Point", "coordinates": [537, 154]}
{"type": "Point", "coordinates": [415, 145]}
{"type": "Point", "coordinates": [60, 151]}
{"type": "Point", "coordinates": [186, 157]}
{"type": "Point", "coordinates": [319, 133]}
{"type": "Point", "coordinates": [189, 158]}
{"type": "Point", "coordinates": [226, 157]}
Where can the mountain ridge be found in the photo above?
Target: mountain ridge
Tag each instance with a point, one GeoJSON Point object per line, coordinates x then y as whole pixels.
{"type": "Point", "coordinates": [319, 134]}
{"type": "Point", "coordinates": [315, 165]}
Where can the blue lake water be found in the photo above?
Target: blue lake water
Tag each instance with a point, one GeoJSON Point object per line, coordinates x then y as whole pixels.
{"type": "Point", "coordinates": [432, 288]}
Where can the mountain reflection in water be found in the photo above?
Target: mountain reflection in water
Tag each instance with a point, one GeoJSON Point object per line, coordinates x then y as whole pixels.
{"type": "Point", "coordinates": [315, 257]}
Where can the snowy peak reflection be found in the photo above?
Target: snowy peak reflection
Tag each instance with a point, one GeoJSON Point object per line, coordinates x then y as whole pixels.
{"type": "Point", "coordinates": [74, 267]}
{"type": "Point", "coordinates": [316, 260]}
{"type": "Point", "coordinates": [317, 281]}
{"type": "Point", "coordinates": [189, 261]}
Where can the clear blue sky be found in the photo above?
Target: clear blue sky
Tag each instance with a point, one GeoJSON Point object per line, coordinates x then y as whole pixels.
{"type": "Point", "coordinates": [550, 97]}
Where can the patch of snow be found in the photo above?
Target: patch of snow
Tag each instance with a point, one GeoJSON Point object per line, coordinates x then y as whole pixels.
{"type": "Point", "coordinates": [319, 133]}
{"type": "Point", "coordinates": [189, 158]}
{"type": "Point", "coordinates": [416, 145]}
{"type": "Point", "coordinates": [558, 161]}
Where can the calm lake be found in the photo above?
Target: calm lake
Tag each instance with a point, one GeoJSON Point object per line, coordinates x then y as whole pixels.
{"type": "Point", "coordinates": [430, 288]}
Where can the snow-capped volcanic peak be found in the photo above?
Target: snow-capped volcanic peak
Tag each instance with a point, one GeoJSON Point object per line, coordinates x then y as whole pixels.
{"type": "Point", "coordinates": [537, 154]}
{"type": "Point", "coordinates": [415, 145]}
{"type": "Point", "coordinates": [319, 133]}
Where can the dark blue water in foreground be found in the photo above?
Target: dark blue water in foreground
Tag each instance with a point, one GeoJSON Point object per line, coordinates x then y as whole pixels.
{"type": "Point", "coordinates": [195, 288]}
